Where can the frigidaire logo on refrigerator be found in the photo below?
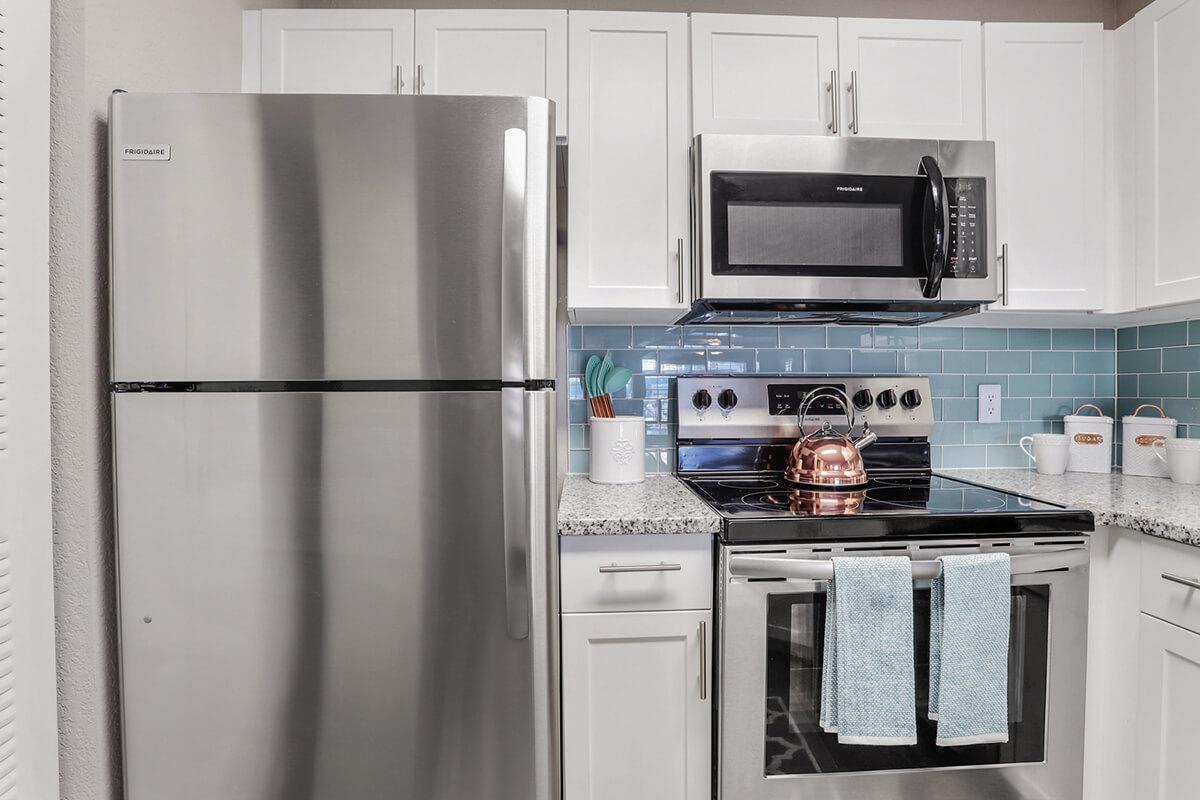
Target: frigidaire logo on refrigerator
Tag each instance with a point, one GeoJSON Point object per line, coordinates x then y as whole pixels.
{"type": "Point", "coordinates": [146, 152]}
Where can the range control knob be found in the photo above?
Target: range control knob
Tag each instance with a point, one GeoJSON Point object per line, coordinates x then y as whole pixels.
{"type": "Point", "coordinates": [886, 399]}
{"type": "Point", "coordinates": [910, 399]}
{"type": "Point", "coordinates": [702, 400]}
{"type": "Point", "coordinates": [863, 399]}
{"type": "Point", "coordinates": [727, 399]}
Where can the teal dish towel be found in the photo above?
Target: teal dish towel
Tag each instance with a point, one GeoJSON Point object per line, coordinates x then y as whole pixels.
{"type": "Point", "coordinates": [969, 609]}
{"type": "Point", "coordinates": [868, 692]}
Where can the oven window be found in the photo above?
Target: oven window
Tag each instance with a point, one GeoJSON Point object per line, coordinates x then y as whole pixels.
{"type": "Point", "coordinates": [795, 743]}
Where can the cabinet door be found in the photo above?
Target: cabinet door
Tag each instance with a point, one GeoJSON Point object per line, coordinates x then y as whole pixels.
{"type": "Point", "coordinates": [755, 73]}
{"type": "Point", "coordinates": [916, 79]}
{"type": "Point", "coordinates": [1168, 699]}
{"type": "Point", "coordinates": [1168, 160]}
{"type": "Point", "coordinates": [628, 161]}
{"type": "Point", "coordinates": [502, 53]}
{"type": "Point", "coordinates": [1045, 112]}
{"type": "Point", "coordinates": [337, 51]}
{"type": "Point", "coordinates": [637, 720]}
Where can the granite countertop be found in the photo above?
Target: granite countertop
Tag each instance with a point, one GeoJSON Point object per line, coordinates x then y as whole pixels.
{"type": "Point", "coordinates": [659, 504]}
{"type": "Point", "coordinates": [1156, 506]}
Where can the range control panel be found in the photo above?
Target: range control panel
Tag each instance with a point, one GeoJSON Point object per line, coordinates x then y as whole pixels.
{"type": "Point", "coordinates": [767, 407]}
{"type": "Point", "coordinates": [966, 252]}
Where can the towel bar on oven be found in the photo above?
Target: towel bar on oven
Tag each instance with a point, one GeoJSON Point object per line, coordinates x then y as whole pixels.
{"type": "Point", "coordinates": [822, 569]}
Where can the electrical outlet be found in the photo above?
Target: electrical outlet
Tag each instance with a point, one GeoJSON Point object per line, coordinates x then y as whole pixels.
{"type": "Point", "coordinates": [989, 402]}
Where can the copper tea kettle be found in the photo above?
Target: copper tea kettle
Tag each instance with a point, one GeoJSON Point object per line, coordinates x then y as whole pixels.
{"type": "Point", "coordinates": [825, 457]}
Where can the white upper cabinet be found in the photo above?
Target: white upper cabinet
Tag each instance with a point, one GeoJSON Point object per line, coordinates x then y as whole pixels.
{"type": "Point", "coordinates": [1168, 158]}
{"type": "Point", "coordinates": [1045, 112]}
{"type": "Point", "coordinates": [495, 53]}
{"type": "Point", "coordinates": [763, 74]}
{"type": "Point", "coordinates": [915, 79]}
{"type": "Point", "coordinates": [331, 51]}
{"type": "Point", "coordinates": [628, 163]}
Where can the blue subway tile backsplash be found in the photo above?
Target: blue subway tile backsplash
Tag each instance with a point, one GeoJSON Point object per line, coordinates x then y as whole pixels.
{"type": "Point", "coordinates": [1042, 373]}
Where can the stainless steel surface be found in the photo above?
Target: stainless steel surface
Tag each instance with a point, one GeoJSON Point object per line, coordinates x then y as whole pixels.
{"type": "Point", "coordinates": [420, 79]}
{"type": "Point", "coordinates": [742, 663]}
{"type": "Point", "coordinates": [399, 79]}
{"type": "Point", "coordinates": [1004, 274]}
{"type": "Point", "coordinates": [327, 237]}
{"type": "Point", "coordinates": [679, 262]}
{"type": "Point", "coordinates": [313, 597]}
{"type": "Point", "coordinates": [822, 569]}
{"type": "Point", "coordinates": [834, 93]}
{"type": "Point", "coordinates": [835, 155]}
{"type": "Point", "coordinates": [1191, 583]}
{"type": "Point", "coordinates": [664, 567]}
{"type": "Point", "coordinates": [854, 101]}
{"type": "Point", "coordinates": [703, 660]}
{"type": "Point", "coordinates": [751, 417]}
{"type": "Point", "coordinates": [515, 511]}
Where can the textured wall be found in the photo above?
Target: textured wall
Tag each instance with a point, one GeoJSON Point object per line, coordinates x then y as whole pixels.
{"type": "Point", "coordinates": [99, 45]}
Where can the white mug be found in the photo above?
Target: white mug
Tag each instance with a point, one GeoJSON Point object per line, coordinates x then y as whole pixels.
{"type": "Point", "coordinates": [1182, 457]}
{"type": "Point", "coordinates": [1049, 452]}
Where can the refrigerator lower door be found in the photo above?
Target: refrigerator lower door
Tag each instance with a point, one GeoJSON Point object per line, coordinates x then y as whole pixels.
{"type": "Point", "coordinates": [319, 599]}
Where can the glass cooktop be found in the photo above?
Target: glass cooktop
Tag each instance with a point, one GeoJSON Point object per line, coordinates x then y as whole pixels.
{"type": "Point", "coordinates": [766, 506]}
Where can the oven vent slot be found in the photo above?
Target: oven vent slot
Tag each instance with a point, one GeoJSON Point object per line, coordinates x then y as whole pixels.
{"type": "Point", "coordinates": [1057, 542]}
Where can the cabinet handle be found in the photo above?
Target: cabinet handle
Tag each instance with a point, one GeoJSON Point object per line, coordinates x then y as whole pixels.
{"type": "Point", "coordinates": [854, 101]}
{"type": "Point", "coordinates": [641, 568]}
{"type": "Point", "coordinates": [1191, 583]}
{"type": "Point", "coordinates": [1004, 274]}
{"type": "Point", "coordinates": [679, 285]}
{"type": "Point", "coordinates": [420, 88]}
{"type": "Point", "coordinates": [833, 102]}
{"type": "Point", "coordinates": [703, 660]}
{"type": "Point", "coordinates": [399, 79]}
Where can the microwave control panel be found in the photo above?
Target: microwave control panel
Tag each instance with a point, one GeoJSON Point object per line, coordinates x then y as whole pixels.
{"type": "Point", "coordinates": [966, 255]}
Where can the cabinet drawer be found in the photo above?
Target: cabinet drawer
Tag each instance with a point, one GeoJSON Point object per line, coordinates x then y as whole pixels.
{"type": "Point", "coordinates": [655, 572]}
{"type": "Point", "coordinates": [1166, 599]}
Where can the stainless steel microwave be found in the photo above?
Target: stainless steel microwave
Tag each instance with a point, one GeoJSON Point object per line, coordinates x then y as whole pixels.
{"type": "Point", "coordinates": [822, 229]}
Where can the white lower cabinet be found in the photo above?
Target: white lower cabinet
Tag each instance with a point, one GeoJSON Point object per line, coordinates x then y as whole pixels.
{"type": "Point", "coordinates": [1168, 712]}
{"type": "Point", "coordinates": [637, 714]}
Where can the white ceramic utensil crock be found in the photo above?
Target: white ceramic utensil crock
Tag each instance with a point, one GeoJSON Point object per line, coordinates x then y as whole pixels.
{"type": "Point", "coordinates": [618, 451]}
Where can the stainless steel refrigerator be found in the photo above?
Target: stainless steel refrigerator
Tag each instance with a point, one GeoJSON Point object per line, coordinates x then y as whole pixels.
{"type": "Point", "coordinates": [334, 326]}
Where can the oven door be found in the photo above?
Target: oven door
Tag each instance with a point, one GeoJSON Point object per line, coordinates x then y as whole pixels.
{"type": "Point", "coordinates": [769, 661]}
{"type": "Point", "coordinates": [825, 219]}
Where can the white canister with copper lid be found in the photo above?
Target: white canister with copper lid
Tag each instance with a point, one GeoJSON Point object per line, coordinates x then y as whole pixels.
{"type": "Point", "coordinates": [1091, 444]}
{"type": "Point", "coordinates": [1138, 435]}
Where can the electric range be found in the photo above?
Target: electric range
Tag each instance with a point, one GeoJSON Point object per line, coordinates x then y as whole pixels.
{"type": "Point", "coordinates": [736, 433]}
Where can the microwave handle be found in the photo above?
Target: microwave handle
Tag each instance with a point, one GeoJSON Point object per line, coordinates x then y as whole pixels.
{"type": "Point", "coordinates": [934, 225]}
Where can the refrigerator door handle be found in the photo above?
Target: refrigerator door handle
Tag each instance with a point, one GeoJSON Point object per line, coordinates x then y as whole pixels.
{"type": "Point", "coordinates": [519, 508]}
{"type": "Point", "coordinates": [512, 256]}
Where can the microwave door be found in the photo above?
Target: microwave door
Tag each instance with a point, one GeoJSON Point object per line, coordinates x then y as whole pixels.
{"type": "Point", "coordinates": [935, 222]}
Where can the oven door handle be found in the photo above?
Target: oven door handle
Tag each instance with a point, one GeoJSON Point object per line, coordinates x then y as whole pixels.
{"type": "Point", "coordinates": [822, 569]}
{"type": "Point", "coordinates": [935, 222]}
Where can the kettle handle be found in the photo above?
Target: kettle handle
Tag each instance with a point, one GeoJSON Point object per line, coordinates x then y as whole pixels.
{"type": "Point", "coordinates": [825, 391]}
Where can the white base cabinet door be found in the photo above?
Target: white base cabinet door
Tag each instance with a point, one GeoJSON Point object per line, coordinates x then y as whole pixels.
{"type": "Point", "coordinates": [911, 78]}
{"type": "Point", "coordinates": [756, 73]}
{"type": "Point", "coordinates": [1168, 159]}
{"type": "Point", "coordinates": [628, 162]}
{"type": "Point", "coordinates": [326, 51]}
{"type": "Point", "coordinates": [1168, 712]}
{"type": "Point", "coordinates": [491, 52]}
{"type": "Point", "coordinates": [637, 718]}
{"type": "Point", "coordinates": [1045, 111]}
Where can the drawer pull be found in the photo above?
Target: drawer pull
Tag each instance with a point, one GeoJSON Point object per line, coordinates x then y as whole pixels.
{"type": "Point", "coordinates": [703, 660]}
{"type": "Point", "coordinates": [641, 568]}
{"type": "Point", "coordinates": [1191, 583]}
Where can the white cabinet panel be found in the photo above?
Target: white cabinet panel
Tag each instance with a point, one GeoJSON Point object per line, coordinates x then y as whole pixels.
{"type": "Point", "coordinates": [1045, 111]}
{"type": "Point", "coordinates": [763, 74]}
{"type": "Point", "coordinates": [495, 53]}
{"type": "Point", "coordinates": [628, 161]}
{"type": "Point", "coordinates": [1168, 160]}
{"type": "Point", "coordinates": [336, 51]}
{"type": "Point", "coordinates": [1168, 699]}
{"type": "Point", "coordinates": [918, 79]}
{"type": "Point", "coordinates": [635, 722]}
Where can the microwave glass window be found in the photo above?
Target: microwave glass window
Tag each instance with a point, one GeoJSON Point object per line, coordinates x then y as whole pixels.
{"type": "Point", "coordinates": [858, 235]}
{"type": "Point", "coordinates": [795, 743]}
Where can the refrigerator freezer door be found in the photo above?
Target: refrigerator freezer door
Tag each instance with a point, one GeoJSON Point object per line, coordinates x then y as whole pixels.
{"type": "Point", "coordinates": [331, 237]}
{"type": "Point", "coordinates": [315, 599]}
